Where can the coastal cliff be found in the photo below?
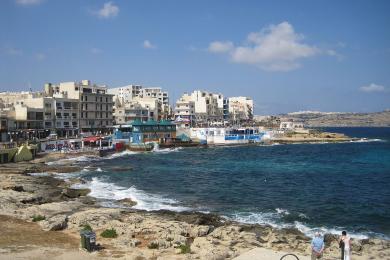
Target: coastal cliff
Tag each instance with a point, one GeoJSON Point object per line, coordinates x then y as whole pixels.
{"type": "Point", "coordinates": [61, 212]}
{"type": "Point", "coordinates": [339, 119]}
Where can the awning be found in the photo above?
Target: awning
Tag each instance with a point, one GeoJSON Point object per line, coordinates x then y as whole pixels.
{"type": "Point", "coordinates": [92, 139]}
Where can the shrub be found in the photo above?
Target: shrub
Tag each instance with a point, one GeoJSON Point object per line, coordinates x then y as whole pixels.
{"type": "Point", "coordinates": [87, 227]}
{"type": "Point", "coordinates": [153, 245]}
{"type": "Point", "coordinates": [185, 249]}
{"type": "Point", "coordinates": [109, 233]}
{"type": "Point", "coordinates": [37, 218]}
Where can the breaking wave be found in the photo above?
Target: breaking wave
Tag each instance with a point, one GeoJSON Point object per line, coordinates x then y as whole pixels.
{"type": "Point", "coordinates": [275, 219]}
{"type": "Point", "coordinates": [145, 201]}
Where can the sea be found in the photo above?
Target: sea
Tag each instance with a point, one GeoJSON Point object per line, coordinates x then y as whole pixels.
{"type": "Point", "coordinates": [325, 187]}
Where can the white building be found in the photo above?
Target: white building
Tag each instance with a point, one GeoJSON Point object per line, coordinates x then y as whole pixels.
{"type": "Point", "coordinates": [185, 112]}
{"type": "Point", "coordinates": [208, 108]}
{"type": "Point", "coordinates": [136, 96]}
{"type": "Point", "coordinates": [291, 125]}
{"type": "Point", "coordinates": [125, 93]}
{"type": "Point", "coordinates": [240, 109]}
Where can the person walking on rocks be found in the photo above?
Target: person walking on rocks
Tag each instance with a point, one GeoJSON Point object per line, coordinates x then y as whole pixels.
{"type": "Point", "coordinates": [317, 246]}
{"type": "Point", "coordinates": [345, 245]}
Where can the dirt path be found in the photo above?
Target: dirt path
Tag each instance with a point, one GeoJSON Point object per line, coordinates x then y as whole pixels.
{"type": "Point", "coordinates": [17, 235]}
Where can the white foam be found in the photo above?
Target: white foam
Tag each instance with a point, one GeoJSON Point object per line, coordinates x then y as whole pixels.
{"type": "Point", "coordinates": [275, 220]}
{"type": "Point", "coordinates": [66, 176]}
{"type": "Point", "coordinates": [121, 154]}
{"type": "Point", "coordinates": [282, 211]}
{"type": "Point", "coordinates": [81, 158]}
{"type": "Point", "coordinates": [156, 149]}
{"type": "Point", "coordinates": [109, 191]}
{"type": "Point", "coordinates": [366, 140]}
{"type": "Point", "coordinates": [39, 174]}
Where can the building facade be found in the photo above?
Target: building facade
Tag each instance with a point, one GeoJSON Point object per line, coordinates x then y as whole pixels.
{"type": "Point", "coordinates": [207, 108]}
{"type": "Point", "coordinates": [67, 109]}
{"type": "Point", "coordinates": [240, 109]}
{"type": "Point", "coordinates": [137, 102]}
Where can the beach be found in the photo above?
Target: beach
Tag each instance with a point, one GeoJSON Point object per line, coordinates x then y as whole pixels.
{"type": "Point", "coordinates": [161, 234]}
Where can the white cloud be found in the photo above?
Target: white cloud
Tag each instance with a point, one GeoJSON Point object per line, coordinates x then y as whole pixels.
{"type": "Point", "coordinates": [219, 47]}
{"type": "Point", "coordinates": [274, 48]}
{"type": "Point", "coordinates": [40, 56]}
{"type": "Point", "coordinates": [95, 50]}
{"type": "Point", "coordinates": [373, 88]}
{"type": "Point", "coordinates": [148, 45]}
{"type": "Point", "coordinates": [108, 10]}
{"type": "Point", "coordinates": [28, 2]}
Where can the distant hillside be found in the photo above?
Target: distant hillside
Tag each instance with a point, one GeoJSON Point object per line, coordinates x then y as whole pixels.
{"type": "Point", "coordinates": [320, 119]}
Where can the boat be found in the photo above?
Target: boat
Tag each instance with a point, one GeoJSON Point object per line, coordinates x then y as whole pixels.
{"type": "Point", "coordinates": [140, 147]}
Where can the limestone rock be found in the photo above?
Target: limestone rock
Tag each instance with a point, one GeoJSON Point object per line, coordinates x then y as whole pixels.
{"type": "Point", "coordinates": [58, 222]}
{"type": "Point", "coordinates": [127, 202]}
{"type": "Point", "coordinates": [75, 193]}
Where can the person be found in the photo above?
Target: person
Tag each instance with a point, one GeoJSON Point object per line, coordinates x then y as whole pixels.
{"type": "Point", "coordinates": [345, 245]}
{"type": "Point", "coordinates": [317, 246]}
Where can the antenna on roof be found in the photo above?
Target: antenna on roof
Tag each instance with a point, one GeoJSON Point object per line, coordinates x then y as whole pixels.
{"type": "Point", "coordinates": [29, 86]}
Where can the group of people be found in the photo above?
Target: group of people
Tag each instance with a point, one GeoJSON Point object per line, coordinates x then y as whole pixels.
{"type": "Point", "coordinates": [318, 246]}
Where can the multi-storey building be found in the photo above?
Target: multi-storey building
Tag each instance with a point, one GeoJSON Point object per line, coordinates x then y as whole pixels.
{"type": "Point", "coordinates": [67, 108]}
{"type": "Point", "coordinates": [139, 99]}
{"type": "Point", "coordinates": [240, 109]}
{"type": "Point", "coordinates": [125, 94]}
{"type": "Point", "coordinates": [185, 112]}
{"type": "Point", "coordinates": [208, 107]}
{"type": "Point", "coordinates": [159, 94]}
{"type": "Point", "coordinates": [94, 110]}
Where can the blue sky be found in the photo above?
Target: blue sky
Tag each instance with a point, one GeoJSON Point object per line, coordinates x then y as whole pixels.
{"type": "Point", "coordinates": [287, 55]}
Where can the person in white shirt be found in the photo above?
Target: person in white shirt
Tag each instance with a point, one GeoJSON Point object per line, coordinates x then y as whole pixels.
{"type": "Point", "coordinates": [345, 245]}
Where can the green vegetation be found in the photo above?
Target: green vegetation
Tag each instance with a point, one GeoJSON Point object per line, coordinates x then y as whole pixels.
{"type": "Point", "coordinates": [185, 249]}
{"type": "Point", "coordinates": [109, 233]}
{"type": "Point", "coordinates": [153, 245]}
{"type": "Point", "coordinates": [87, 227]}
{"type": "Point", "coordinates": [37, 218]}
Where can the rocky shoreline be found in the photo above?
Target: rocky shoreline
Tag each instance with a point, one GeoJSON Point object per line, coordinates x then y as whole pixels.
{"type": "Point", "coordinates": [140, 234]}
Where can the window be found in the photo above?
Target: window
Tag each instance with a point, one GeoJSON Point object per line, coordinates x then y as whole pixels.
{"type": "Point", "coordinates": [86, 106]}
{"type": "Point", "coordinates": [101, 99]}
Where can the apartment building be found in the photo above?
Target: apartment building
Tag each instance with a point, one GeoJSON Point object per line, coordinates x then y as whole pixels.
{"type": "Point", "coordinates": [208, 107]}
{"type": "Point", "coordinates": [68, 108]}
{"type": "Point", "coordinates": [185, 112]}
{"type": "Point", "coordinates": [159, 94]}
{"type": "Point", "coordinates": [126, 93]}
{"type": "Point", "coordinates": [138, 100]}
{"type": "Point", "coordinates": [95, 106]}
{"type": "Point", "coordinates": [240, 109]}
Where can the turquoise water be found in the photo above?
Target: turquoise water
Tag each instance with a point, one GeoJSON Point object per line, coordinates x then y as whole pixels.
{"type": "Point", "coordinates": [325, 187]}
